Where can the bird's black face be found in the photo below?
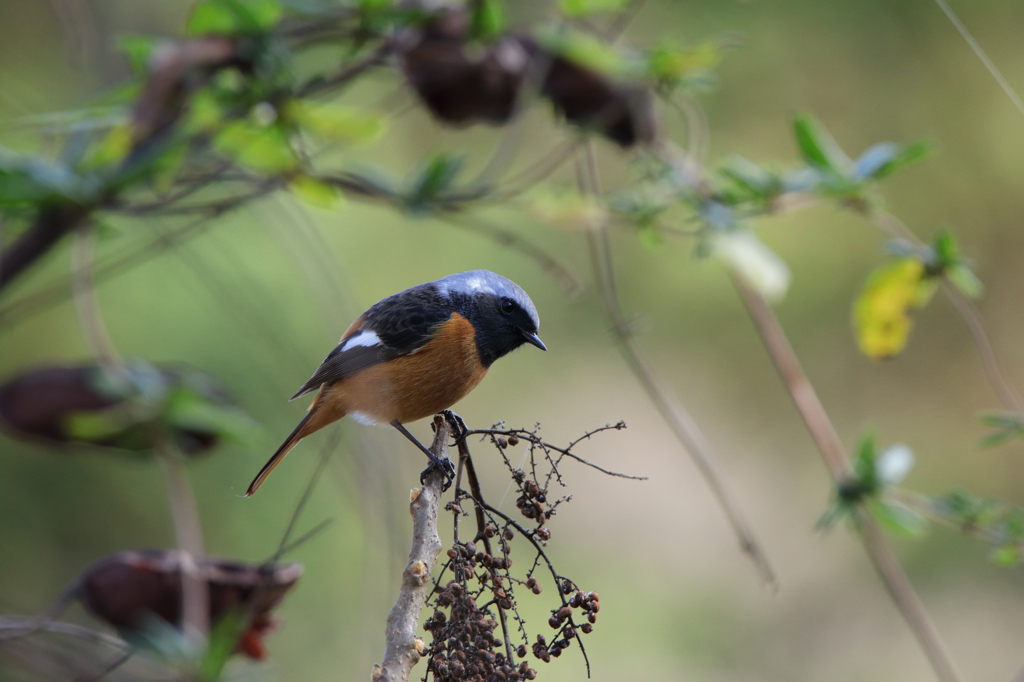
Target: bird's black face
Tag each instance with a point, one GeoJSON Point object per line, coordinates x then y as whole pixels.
{"type": "Point", "coordinates": [502, 324]}
{"type": "Point", "coordinates": [503, 316]}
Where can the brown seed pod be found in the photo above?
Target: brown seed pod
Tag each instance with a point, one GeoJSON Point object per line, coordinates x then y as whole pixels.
{"type": "Point", "coordinates": [83, 405]}
{"type": "Point", "coordinates": [591, 617]}
{"type": "Point", "coordinates": [521, 651]}
{"type": "Point", "coordinates": [127, 588]}
{"type": "Point", "coordinates": [458, 82]}
{"type": "Point", "coordinates": [587, 628]}
{"type": "Point", "coordinates": [513, 440]}
{"type": "Point", "coordinates": [622, 112]}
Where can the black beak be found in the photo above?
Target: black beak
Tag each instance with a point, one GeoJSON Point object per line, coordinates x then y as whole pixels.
{"type": "Point", "coordinates": [533, 339]}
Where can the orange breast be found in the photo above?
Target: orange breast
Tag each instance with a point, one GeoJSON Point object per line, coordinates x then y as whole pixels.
{"type": "Point", "coordinates": [418, 385]}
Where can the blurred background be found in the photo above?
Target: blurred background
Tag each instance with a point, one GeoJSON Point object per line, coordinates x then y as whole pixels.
{"type": "Point", "coordinates": [262, 298]}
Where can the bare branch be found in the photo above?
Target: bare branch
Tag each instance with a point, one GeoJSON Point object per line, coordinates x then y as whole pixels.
{"type": "Point", "coordinates": [888, 567]}
{"type": "Point", "coordinates": [402, 650]}
{"type": "Point", "coordinates": [675, 415]}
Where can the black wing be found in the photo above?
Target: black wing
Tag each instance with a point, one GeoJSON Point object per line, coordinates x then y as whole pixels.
{"type": "Point", "coordinates": [402, 323]}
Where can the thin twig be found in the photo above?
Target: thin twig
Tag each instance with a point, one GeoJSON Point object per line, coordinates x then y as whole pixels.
{"type": "Point", "coordinates": [189, 539]}
{"type": "Point", "coordinates": [403, 647]}
{"type": "Point", "coordinates": [13, 628]}
{"type": "Point", "coordinates": [566, 451]}
{"type": "Point", "coordinates": [94, 331]}
{"type": "Point", "coordinates": [830, 446]}
{"type": "Point", "coordinates": [325, 457]}
{"type": "Point", "coordinates": [675, 415]}
{"type": "Point", "coordinates": [981, 55]}
{"type": "Point", "coordinates": [972, 318]}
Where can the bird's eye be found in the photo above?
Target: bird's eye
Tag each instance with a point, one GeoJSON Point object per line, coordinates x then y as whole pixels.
{"type": "Point", "coordinates": [507, 305]}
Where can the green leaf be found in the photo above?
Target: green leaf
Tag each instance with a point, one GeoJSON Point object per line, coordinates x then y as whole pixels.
{"type": "Point", "coordinates": [433, 181]}
{"type": "Point", "coordinates": [817, 147]}
{"type": "Point", "coordinates": [212, 17]}
{"type": "Point", "coordinates": [650, 236]}
{"type": "Point", "coordinates": [264, 150]}
{"type": "Point", "coordinates": [583, 49]}
{"type": "Point", "coordinates": [28, 181]}
{"type": "Point", "coordinates": [864, 464]}
{"type": "Point", "coordinates": [1006, 556]}
{"type": "Point", "coordinates": [187, 410]}
{"type": "Point", "coordinates": [488, 20]}
{"type": "Point", "coordinates": [898, 518]}
{"type": "Point", "coordinates": [315, 192]}
{"type": "Point", "coordinates": [138, 49]}
{"type": "Point", "coordinates": [965, 280]}
{"type": "Point", "coordinates": [751, 177]}
{"type": "Point", "coordinates": [224, 638]}
{"type": "Point", "coordinates": [907, 154]}
{"type": "Point", "coordinates": [337, 122]}
{"type": "Point", "coordinates": [583, 8]}
{"type": "Point", "coordinates": [92, 427]}
{"type": "Point", "coordinates": [674, 66]}
{"type": "Point", "coordinates": [233, 17]}
{"type": "Point", "coordinates": [946, 249]}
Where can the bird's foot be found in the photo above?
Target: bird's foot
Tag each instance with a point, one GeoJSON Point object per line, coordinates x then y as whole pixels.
{"type": "Point", "coordinates": [446, 467]}
{"type": "Point", "coordinates": [457, 424]}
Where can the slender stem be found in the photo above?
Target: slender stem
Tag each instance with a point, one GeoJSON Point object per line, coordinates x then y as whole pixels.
{"type": "Point", "coordinates": [679, 420]}
{"type": "Point", "coordinates": [889, 570]}
{"type": "Point", "coordinates": [195, 612]}
{"type": "Point", "coordinates": [981, 55]}
{"type": "Point", "coordinates": [972, 318]}
{"type": "Point", "coordinates": [89, 318]}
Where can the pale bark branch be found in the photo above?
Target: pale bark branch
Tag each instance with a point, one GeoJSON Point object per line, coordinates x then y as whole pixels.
{"type": "Point", "coordinates": [403, 648]}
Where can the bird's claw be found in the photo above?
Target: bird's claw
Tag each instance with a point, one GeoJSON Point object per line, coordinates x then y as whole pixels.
{"type": "Point", "coordinates": [446, 467]}
{"type": "Point", "coordinates": [457, 424]}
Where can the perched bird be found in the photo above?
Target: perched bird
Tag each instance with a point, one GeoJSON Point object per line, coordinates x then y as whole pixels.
{"type": "Point", "coordinates": [415, 354]}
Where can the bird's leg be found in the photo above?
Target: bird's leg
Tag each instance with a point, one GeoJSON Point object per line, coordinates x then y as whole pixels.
{"type": "Point", "coordinates": [461, 430]}
{"type": "Point", "coordinates": [445, 465]}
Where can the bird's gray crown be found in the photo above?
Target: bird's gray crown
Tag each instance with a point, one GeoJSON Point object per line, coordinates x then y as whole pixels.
{"type": "Point", "coordinates": [475, 282]}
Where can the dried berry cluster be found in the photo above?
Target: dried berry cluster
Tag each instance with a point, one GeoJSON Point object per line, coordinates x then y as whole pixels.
{"type": "Point", "coordinates": [476, 617]}
{"type": "Point", "coordinates": [464, 642]}
{"type": "Point", "coordinates": [531, 502]}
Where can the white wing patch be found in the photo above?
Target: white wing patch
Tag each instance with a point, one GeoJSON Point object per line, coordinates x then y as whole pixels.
{"type": "Point", "coordinates": [363, 338]}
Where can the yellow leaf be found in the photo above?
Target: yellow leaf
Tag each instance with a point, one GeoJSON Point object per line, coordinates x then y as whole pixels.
{"type": "Point", "coordinates": [881, 314]}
